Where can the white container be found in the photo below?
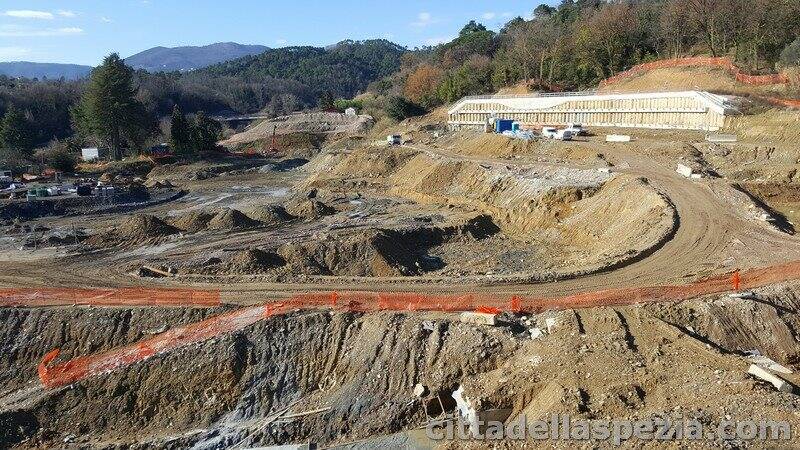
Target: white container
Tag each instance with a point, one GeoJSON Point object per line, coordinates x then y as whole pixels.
{"type": "Point", "coordinates": [618, 138]}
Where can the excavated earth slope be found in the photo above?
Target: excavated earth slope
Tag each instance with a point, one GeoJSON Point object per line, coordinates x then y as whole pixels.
{"type": "Point", "coordinates": [586, 220]}
{"type": "Point", "coordinates": [340, 377]}
{"type": "Point", "coordinates": [322, 123]}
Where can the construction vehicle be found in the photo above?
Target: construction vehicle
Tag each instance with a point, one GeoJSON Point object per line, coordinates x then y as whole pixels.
{"type": "Point", "coordinates": [273, 147]}
{"type": "Point", "coordinates": [559, 135]}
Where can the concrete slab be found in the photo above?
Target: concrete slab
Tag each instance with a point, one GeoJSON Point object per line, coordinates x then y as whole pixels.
{"type": "Point", "coordinates": [779, 383]}
{"type": "Point", "coordinates": [764, 362]}
{"type": "Point", "coordinates": [618, 138]}
{"type": "Point", "coordinates": [477, 318]}
{"type": "Point", "coordinates": [684, 170]}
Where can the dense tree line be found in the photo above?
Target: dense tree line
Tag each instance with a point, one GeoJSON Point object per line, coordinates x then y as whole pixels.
{"type": "Point", "coordinates": [571, 46]}
{"type": "Point", "coordinates": [193, 135]}
{"type": "Point", "coordinates": [579, 43]}
{"type": "Point", "coordinates": [278, 82]}
{"type": "Point", "coordinates": [344, 69]}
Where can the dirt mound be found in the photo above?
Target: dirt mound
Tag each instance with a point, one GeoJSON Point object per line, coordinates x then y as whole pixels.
{"type": "Point", "coordinates": [309, 208]}
{"type": "Point", "coordinates": [380, 253]}
{"type": "Point", "coordinates": [570, 215]}
{"type": "Point", "coordinates": [227, 219]}
{"type": "Point", "coordinates": [193, 222]}
{"type": "Point", "coordinates": [253, 261]}
{"type": "Point", "coordinates": [370, 254]}
{"type": "Point", "coordinates": [314, 123]}
{"type": "Point", "coordinates": [230, 220]}
{"type": "Point", "coordinates": [141, 228]}
{"type": "Point", "coordinates": [269, 214]}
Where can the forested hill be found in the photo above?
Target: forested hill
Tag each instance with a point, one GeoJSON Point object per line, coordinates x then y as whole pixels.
{"type": "Point", "coordinates": [183, 59]}
{"type": "Point", "coordinates": [343, 69]}
{"type": "Point", "coordinates": [23, 69]}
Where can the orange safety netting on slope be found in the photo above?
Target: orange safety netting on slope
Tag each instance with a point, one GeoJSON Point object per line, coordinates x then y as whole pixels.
{"type": "Point", "coordinates": [86, 366]}
{"type": "Point", "coordinates": [37, 297]}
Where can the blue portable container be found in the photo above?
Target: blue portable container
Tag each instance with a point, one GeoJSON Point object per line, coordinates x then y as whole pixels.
{"type": "Point", "coordinates": [503, 125]}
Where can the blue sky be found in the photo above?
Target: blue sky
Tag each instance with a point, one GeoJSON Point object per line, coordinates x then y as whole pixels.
{"type": "Point", "coordinates": [83, 31]}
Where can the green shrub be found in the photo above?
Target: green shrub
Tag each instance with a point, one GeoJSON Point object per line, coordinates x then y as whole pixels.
{"type": "Point", "coordinates": [398, 108]}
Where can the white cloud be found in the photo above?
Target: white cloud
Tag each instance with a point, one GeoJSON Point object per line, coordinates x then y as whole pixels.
{"type": "Point", "coordinates": [105, 19]}
{"type": "Point", "coordinates": [64, 13]}
{"type": "Point", "coordinates": [9, 53]}
{"type": "Point", "coordinates": [488, 15]}
{"type": "Point", "coordinates": [68, 30]}
{"type": "Point", "coordinates": [281, 42]}
{"type": "Point", "coordinates": [29, 14]}
{"type": "Point", "coordinates": [424, 19]}
{"type": "Point", "coordinates": [438, 40]}
{"type": "Point", "coordinates": [17, 31]}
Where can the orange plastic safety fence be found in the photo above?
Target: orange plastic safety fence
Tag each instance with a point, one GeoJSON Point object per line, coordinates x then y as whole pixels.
{"type": "Point", "coordinates": [85, 366]}
{"type": "Point", "coordinates": [787, 102]}
{"type": "Point", "coordinates": [108, 297]}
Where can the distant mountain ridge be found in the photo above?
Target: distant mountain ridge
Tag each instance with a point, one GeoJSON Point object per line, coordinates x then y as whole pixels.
{"type": "Point", "coordinates": [184, 59]}
{"type": "Point", "coordinates": [25, 69]}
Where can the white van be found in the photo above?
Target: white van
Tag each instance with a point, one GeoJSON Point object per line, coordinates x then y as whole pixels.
{"type": "Point", "coordinates": [394, 139]}
{"type": "Point", "coordinates": [576, 129]}
{"type": "Point", "coordinates": [559, 135]}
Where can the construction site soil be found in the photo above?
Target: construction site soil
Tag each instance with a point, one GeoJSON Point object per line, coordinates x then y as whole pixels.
{"type": "Point", "coordinates": [446, 213]}
{"type": "Point", "coordinates": [334, 378]}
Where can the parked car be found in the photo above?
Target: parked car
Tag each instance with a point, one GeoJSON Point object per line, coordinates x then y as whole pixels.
{"type": "Point", "coordinates": [564, 135]}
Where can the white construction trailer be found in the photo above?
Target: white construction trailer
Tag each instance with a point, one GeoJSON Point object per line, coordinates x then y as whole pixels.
{"type": "Point", "coordinates": [688, 110]}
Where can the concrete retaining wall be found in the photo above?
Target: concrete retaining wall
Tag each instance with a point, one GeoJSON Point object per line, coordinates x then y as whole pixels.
{"type": "Point", "coordinates": [692, 110]}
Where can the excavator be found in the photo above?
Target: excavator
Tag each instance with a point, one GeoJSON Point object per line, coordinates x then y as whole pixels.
{"type": "Point", "coordinates": [273, 147]}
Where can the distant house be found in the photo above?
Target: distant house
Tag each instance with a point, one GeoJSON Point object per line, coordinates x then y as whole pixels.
{"type": "Point", "coordinates": [350, 112]}
{"type": "Point", "coordinates": [93, 154]}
